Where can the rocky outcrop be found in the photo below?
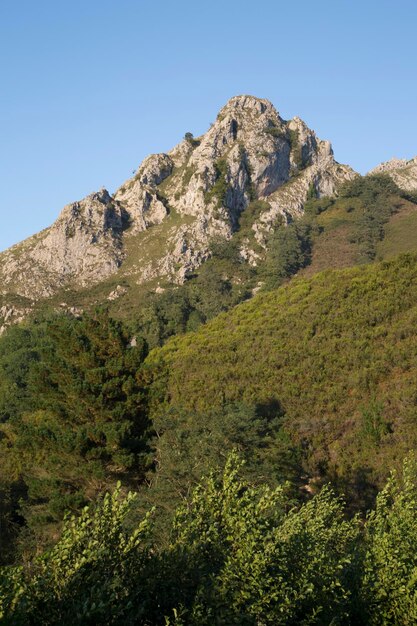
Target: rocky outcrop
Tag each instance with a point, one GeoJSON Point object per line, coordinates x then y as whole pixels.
{"type": "Point", "coordinates": [403, 172]}
{"type": "Point", "coordinates": [161, 222]}
{"type": "Point", "coordinates": [249, 153]}
{"type": "Point", "coordinates": [83, 246]}
{"type": "Point", "coordinates": [321, 177]}
{"type": "Point", "coordinates": [139, 195]}
{"type": "Point", "coordinates": [245, 153]}
{"type": "Point", "coordinates": [12, 314]}
{"type": "Point", "coordinates": [85, 240]}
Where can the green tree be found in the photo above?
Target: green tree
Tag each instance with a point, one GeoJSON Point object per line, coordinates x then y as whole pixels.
{"type": "Point", "coordinates": [289, 250]}
{"type": "Point", "coordinates": [91, 576]}
{"type": "Point", "coordinates": [390, 571]}
{"type": "Point", "coordinates": [19, 350]}
{"type": "Point", "coordinates": [243, 558]}
{"type": "Point", "coordinates": [238, 554]}
{"type": "Point", "coordinates": [190, 444]}
{"type": "Point", "coordinates": [85, 423]}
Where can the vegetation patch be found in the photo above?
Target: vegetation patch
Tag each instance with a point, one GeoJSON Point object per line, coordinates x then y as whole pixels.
{"type": "Point", "coordinates": [219, 190]}
{"type": "Point", "coordinates": [323, 349]}
{"type": "Point", "coordinates": [236, 550]}
{"type": "Point", "coordinates": [296, 149]}
{"type": "Point", "coordinates": [276, 131]}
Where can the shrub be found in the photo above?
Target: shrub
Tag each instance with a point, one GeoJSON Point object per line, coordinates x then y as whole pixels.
{"type": "Point", "coordinates": [390, 571]}
{"type": "Point", "coordinates": [219, 189]}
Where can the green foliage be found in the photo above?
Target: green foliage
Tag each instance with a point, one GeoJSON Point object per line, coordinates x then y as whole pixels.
{"type": "Point", "coordinates": [254, 563]}
{"type": "Point", "coordinates": [379, 198]}
{"type": "Point", "coordinates": [296, 149]}
{"type": "Point", "coordinates": [190, 445]}
{"type": "Point", "coordinates": [78, 422]}
{"type": "Point", "coordinates": [374, 426]}
{"type": "Point", "coordinates": [390, 580]}
{"type": "Point", "coordinates": [19, 350]}
{"type": "Point", "coordinates": [370, 188]}
{"type": "Point", "coordinates": [164, 315]}
{"type": "Point", "coordinates": [219, 190]}
{"type": "Point", "coordinates": [311, 192]}
{"type": "Point", "coordinates": [222, 282]}
{"type": "Point", "coordinates": [314, 206]}
{"type": "Point", "coordinates": [251, 214]}
{"type": "Point", "coordinates": [238, 554]}
{"type": "Point", "coordinates": [410, 195]}
{"type": "Point", "coordinates": [189, 137]}
{"type": "Point", "coordinates": [324, 349]}
{"type": "Point", "coordinates": [89, 577]}
{"type": "Point", "coordinates": [275, 131]}
{"type": "Point", "coordinates": [9, 521]}
{"type": "Point", "coordinates": [289, 249]}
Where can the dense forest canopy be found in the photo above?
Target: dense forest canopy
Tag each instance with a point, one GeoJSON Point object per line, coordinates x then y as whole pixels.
{"type": "Point", "coordinates": [336, 354]}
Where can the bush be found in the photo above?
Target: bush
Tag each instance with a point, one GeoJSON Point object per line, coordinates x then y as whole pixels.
{"type": "Point", "coordinates": [219, 189]}
{"type": "Point", "coordinates": [91, 576]}
{"type": "Point", "coordinates": [238, 555]}
{"type": "Point", "coordinates": [390, 576]}
{"type": "Point", "coordinates": [189, 137]}
{"type": "Point", "coordinates": [255, 563]}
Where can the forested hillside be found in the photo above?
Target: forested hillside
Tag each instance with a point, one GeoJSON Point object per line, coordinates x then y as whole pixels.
{"type": "Point", "coordinates": [335, 358]}
{"type": "Point", "coordinates": [312, 382]}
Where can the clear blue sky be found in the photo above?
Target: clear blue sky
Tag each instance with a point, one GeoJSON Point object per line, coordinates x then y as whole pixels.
{"type": "Point", "coordinates": [89, 88]}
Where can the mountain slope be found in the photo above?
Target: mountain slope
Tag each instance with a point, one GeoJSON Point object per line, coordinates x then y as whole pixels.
{"type": "Point", "coordinates": [336, 352]}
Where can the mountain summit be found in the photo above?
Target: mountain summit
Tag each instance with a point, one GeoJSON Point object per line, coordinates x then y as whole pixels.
{"type": "Point", "coordinates": [160, 224]}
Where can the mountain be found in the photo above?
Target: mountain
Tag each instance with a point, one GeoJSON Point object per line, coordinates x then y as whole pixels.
{"type": "Point", "coordinates": [159, 226]}
{"type": "Point", "coordinates": [259, 317]}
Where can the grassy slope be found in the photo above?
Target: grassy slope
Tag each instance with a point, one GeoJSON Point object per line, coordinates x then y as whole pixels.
{"type": "Point", "coordinates": [338, 351]}
{"type": "Point", "coordinates": [400, 232]}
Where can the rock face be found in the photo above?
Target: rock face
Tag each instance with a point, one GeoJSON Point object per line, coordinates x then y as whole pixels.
{"type": "Point", "coordinates": [403, 172]}
{"type": "Point", "coordinates": [249, 153]}
{"type": "Point", "coordinates": [161, 222]}
{"type": "Point", "coordinates": [11, 314]}
{"type": "Point", "coordinates": [139, 196]}
{"type": "Point", "coordinates": [83, 246]}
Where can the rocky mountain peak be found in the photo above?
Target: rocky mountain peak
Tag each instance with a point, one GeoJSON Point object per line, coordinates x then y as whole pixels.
{"type": "Point", "coordinates": [182, 200]}
{"type": "Point", "coordinates": [246, 104]}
